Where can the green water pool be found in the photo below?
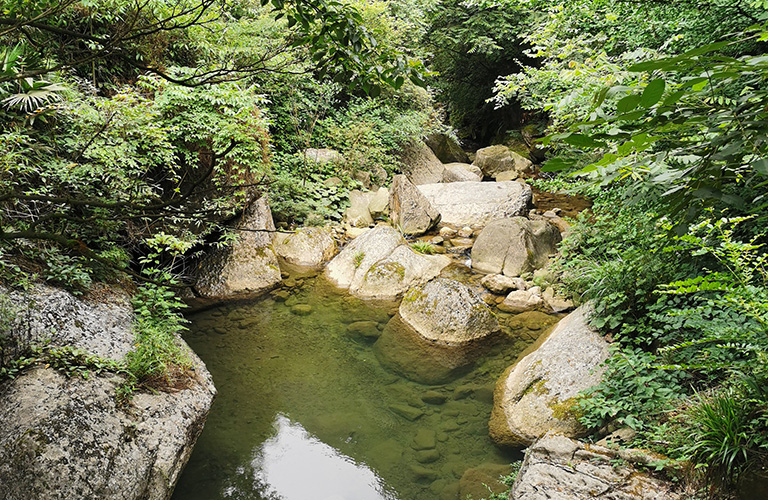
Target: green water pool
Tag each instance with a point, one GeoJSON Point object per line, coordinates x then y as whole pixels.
{"type": "Point", "coordinates": [311, 407]}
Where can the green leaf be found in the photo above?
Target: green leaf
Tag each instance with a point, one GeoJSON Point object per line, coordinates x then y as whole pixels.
{"type": "Point", "coordinates": [557, 164]}
{"type": "Point", "coordinates": [582, 141]}
{"type": "Point", "coordinates": [653, 93]}
{"type": "Point", "coordinates": [761, 166]}
{"type": "Point", "coordinates": [628, 103]}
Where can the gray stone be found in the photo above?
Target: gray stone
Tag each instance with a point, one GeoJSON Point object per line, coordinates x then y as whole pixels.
{"type": "Point", "coordinates": [349, 267]}
{"type": "Point", "coordinates": [446, 148]}
{"type": "Point", "coordinates": [391, 276]}
{"type": "Point", "coordinates": [357, 215]}
{"type": "Point", "coordinates": [477, 203]}
{"type": "Point", "coordinates": [309, 247]}
{"type": "Point", "coordinates": [323, 156]}
{"type": "Point", "coordinates": [519, 301]}
{"type": "Point", "coordinates": [447, 312]}
{"type": "Point", "coordinates": [496, 159]}
{"type": "Point", "coordinates": [559, 468]}
{"type": "Point", "coordinates": [514, 246]}
{"type": "Point", "coordinates": [420, 164]}
{"type": "Point", "coordinates": [378, 206]}
{"type": "Point", "coordinates": [70, 437]}
{"type": "Point", "coordinates": [556, 303]}
{"type": "Point", "coordinates": [447, 232]}
{"type": "Point", "coordinates": [500, 284]}
{"type": "Point", "coordinates": [538, 393]}
{"type": "Point", "coordinates": [465, 232]}
{"type": "Point", "coordinates": [246, 267]}
{"type": "Point", "coordinates": [462, 172]}
{"type": "Point", "coordinates": [410, 210]}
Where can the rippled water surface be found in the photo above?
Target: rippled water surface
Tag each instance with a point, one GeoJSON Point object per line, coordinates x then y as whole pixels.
{"type": "Point", "coordinates": [312, 405]}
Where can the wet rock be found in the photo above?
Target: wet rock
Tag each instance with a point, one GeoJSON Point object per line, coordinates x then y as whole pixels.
{"type": "Point", "coordinates": [423, 474]}
{"type": "Point", "coordinates": [447, 232]}
{"type": "Point", "coordinates": [559, 468]}
{"type": "Point", "coordinates": [302, 309]}
{"type": "Point", "coordinates": [308, 247]}
{"type": "Point", "coordinates": [500, 284]}
{"type": "Point", "coordinates": [446, 148]}
{"type": "Point", "coordinates": [462, 172]}
{"type": "Point", "coordinates": [427, 456]}
{"type": "Point", "coordinates": [406, 411]}
{"type": "Point", "coordinates": [477, 203]}
{"type": "Point", "coordinates": [433, 398]}
{"type": "Point", "coordinates": [447, 312]}
{"type": "Point", "coordinates": [497, 159]}
{"type": "Point", "coordinates": [246, 267]}
{"type": "Point", "coordinates": [420, 164]}
{"type": "Point", "coordinates": [364, 329]}
{"type": "Point", "coordinates": [465, 232]}
{"type": "Point", "coordinates": [425, 439]}
{"type": "Point", "coordinates": [410, 210]}
{"type": "Point", "coordinates": [513, 246]}
{"type": "Point", "coordinates": [480, 481]}
{"type": "Point", "coordinates": [538, 393]}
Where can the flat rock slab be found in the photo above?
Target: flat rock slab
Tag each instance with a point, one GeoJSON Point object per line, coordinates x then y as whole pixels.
{"type": "Point", "coordinates": [559, 468]}
{"type": "Point", "coordinates": [477, 203]}
{"type": "Point", "coordinates": [538, 394]}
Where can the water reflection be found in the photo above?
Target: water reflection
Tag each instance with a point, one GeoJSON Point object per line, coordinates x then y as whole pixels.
{"type": "Point", "coordinates": [294, 465]}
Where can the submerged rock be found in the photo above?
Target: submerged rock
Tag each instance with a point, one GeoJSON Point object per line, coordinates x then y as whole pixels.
{"type": "Point", "coordinates": [559, 468]}
{"type": "Point", "coordinates": [514, 246]}
{"type": "Point", "coordinates": [308, 247]}
{"type": "Point", "coordinates": [246, 267]}
{"type": "Point", "coordinates": [538, 393]}
{"type": "Point", "coordinates": [447, 312]}
{"type": "Point", "coordinates": [477, 203]}
{"type": "Point", "coordinates": [70, 437]}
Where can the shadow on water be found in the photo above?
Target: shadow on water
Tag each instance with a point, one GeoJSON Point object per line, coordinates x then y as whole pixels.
{"type": "Point", "coordinates": [320, 398]}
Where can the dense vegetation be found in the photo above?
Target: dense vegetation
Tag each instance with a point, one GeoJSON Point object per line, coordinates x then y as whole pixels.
{"type": "Point", "coordinates": [131, 132]}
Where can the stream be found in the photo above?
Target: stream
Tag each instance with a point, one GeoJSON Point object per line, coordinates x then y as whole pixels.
{"type": "Point", "coordinates": [310, 405]}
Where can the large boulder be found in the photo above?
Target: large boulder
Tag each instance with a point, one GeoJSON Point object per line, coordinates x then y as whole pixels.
{"type": "Point", "coordinates": [348, 268]}
{"type": "Point", "coordinates": [538, 393]}
{"type": "Point", "coordinates": [446, 148]}
{"type": "Point", "coordinates": [559, 468]}
{"type": "Point", "coordinates": [246, 267]}
{"type": "Point", "coordinates": [70, 437]}
{"type": "Point", "coordinates": [378, 206]}
{"type": "Point", "coordinates": [420, 164]}
{"type": "Point", "coordinates": [308, 247]}
{"type": "Point", "coordinates": [462, 172]}
{"type": "Point", "coordinates": [447, 312]}
{"type": "Point", "coordinates": [393, 275]}
{"type": "Point", "coordinates": [409, 209]}
{"type": "Point", "coordinates": [513, 246]}
{"type": "Point", "coordinates": [495, 160]}
{"type": "Point", "coordinates": [357, 214]}
{"type": "Point", "coordinates": [477, 203]}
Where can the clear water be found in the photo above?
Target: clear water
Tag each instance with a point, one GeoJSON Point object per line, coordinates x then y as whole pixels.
{"type": "Point", "coordinates": [312, 406]}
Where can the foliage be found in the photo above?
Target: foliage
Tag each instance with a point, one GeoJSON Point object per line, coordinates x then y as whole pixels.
{"type": "Point", "coordinates": [423, 247]}
{"type": "Point", "coordinates": [158, 356]}
{"type": "Point", "coordinates": [631, 391]}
